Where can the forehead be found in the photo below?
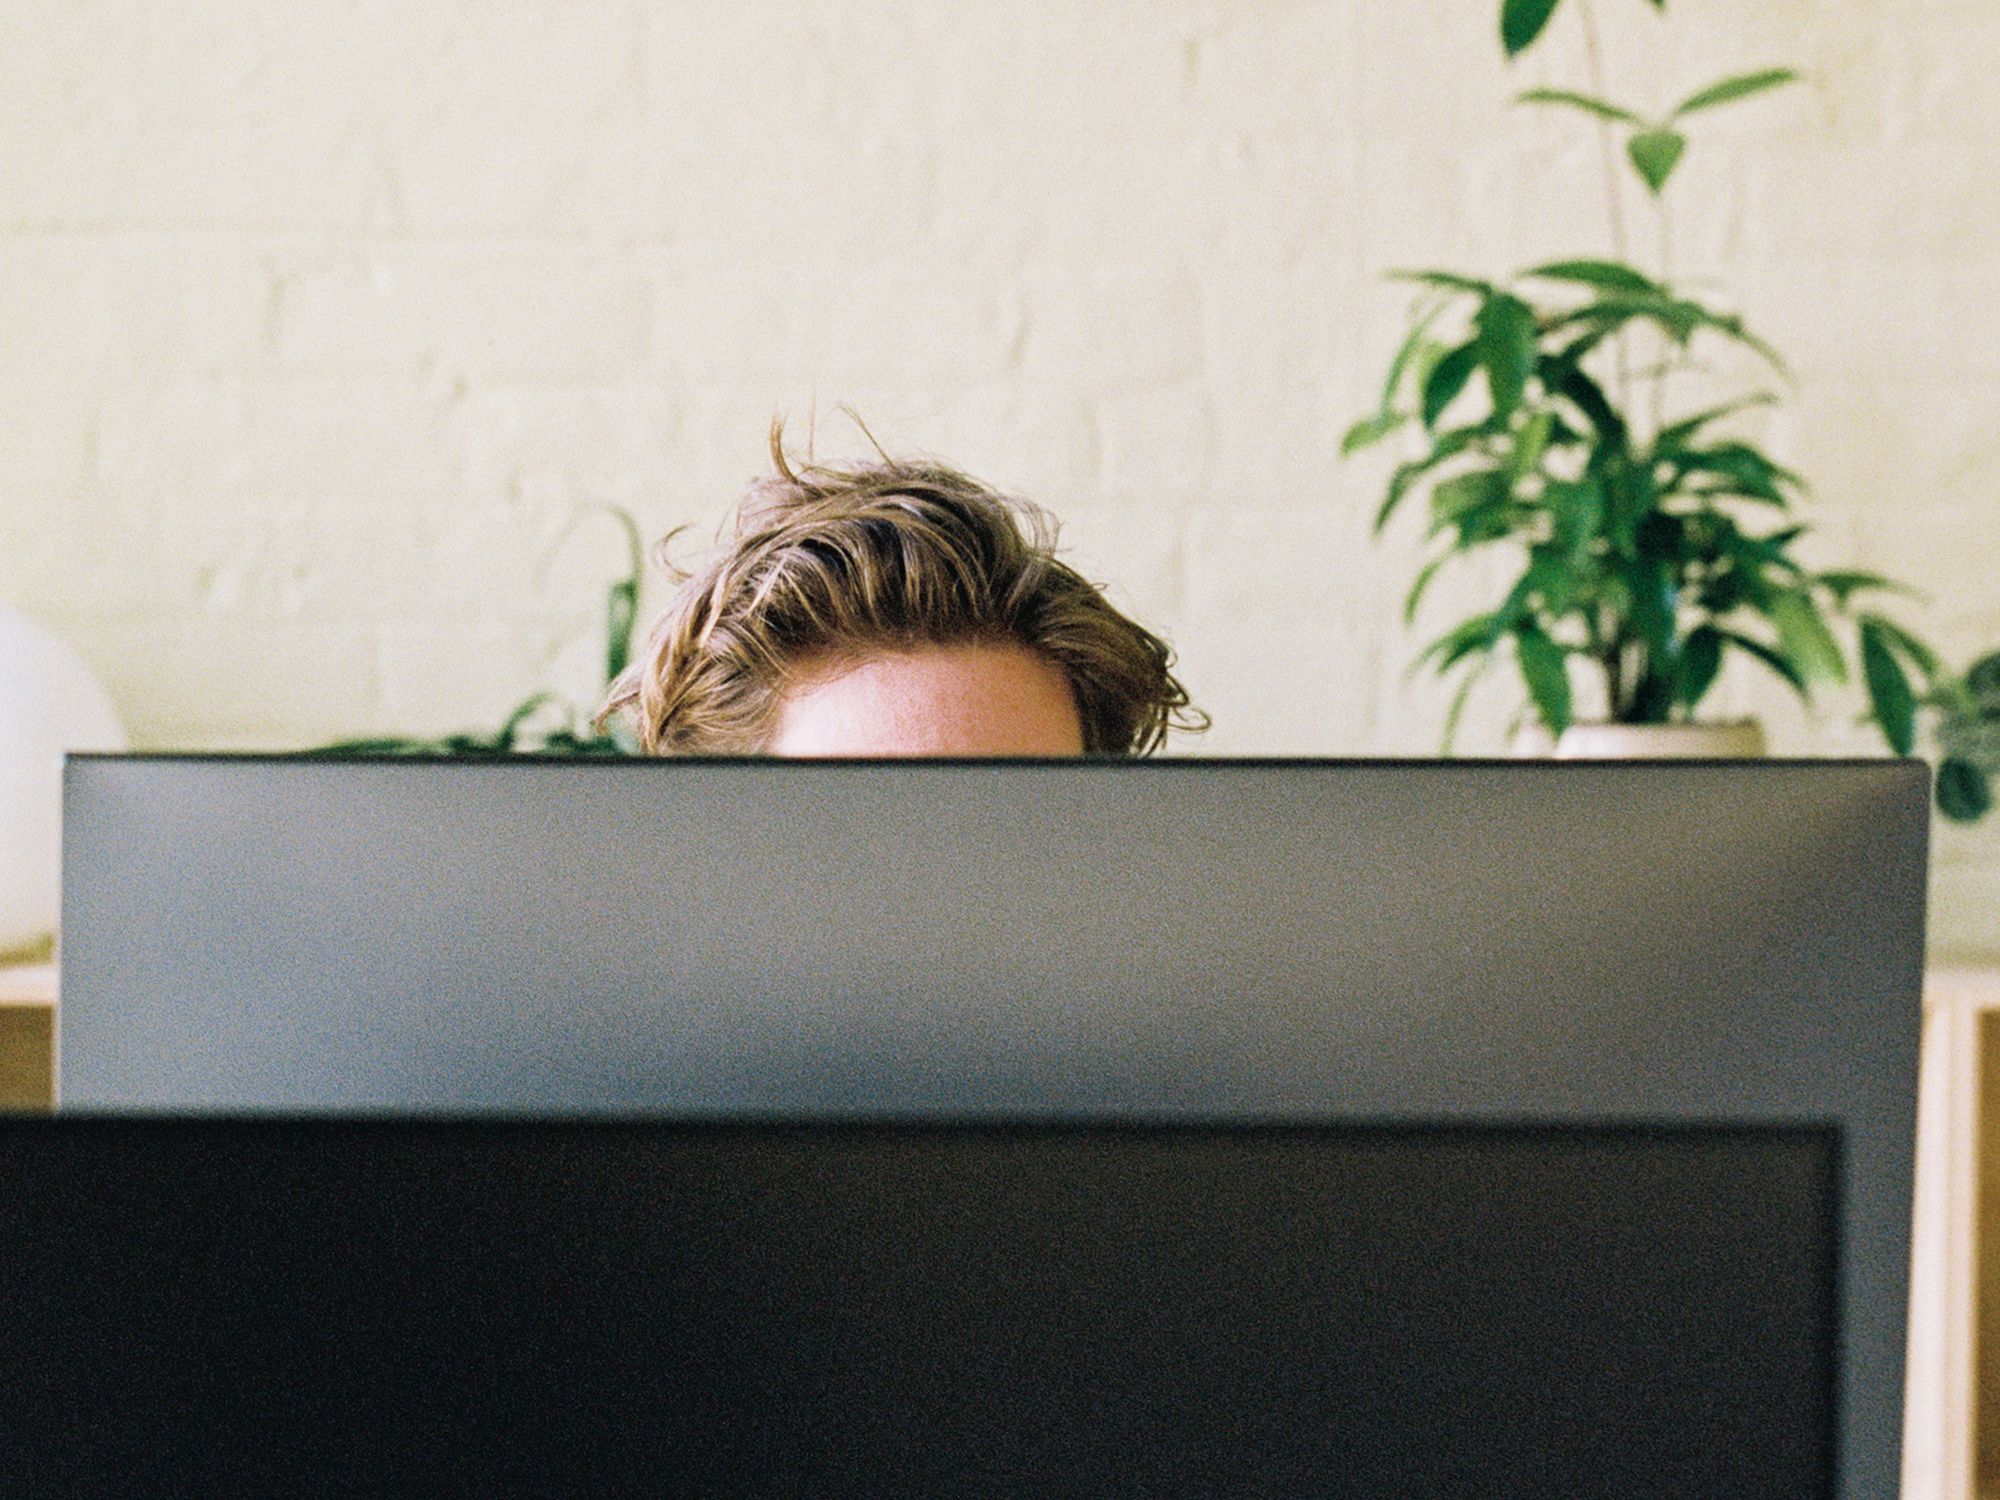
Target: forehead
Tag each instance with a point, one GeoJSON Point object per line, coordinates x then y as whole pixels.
{"type": "Point", "coordinates": [981, 699]}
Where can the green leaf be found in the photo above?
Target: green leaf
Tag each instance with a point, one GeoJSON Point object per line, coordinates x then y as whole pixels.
{"type": "Point", "coordinates": [621, 605]}
{"type": "Point", "coordinates": [1458, 701]}
{"type": "Point", "coordinates": [1742, 470]}
{"type": "Point", "coordinates": [1554, 574]}
{"type": "Point", "coordinates": [1448, 379]}
{"type": "Point", "coordinates": [1700, 660]}
{"type": "Point", "coordinates": [1542, 665]}
{"type": "Point", "coordinates": [1678, 317]}
{"type": "Point", "coordinates": [1474, 635]}
{"type": "Point", "coordinates": [1728, 90]}
{"type": "Point", "coordinates": [1369, 431]}
{"type": "Point", "coordinates": [503, 739]}
{"type": "Point", "coordinates": [1602, 108]}
{"type": "Point", "coordinates": [1895, 705]}
{"type": "Point", "coordinates": [1913, 650]}
{"type": "Point", "coordinates": [1566, 378]}
{"type": "Point", "coordinates": [1844, 583]}
{"type": "Point", "coordinates": [1407, 355]}
{"type": "Point", "coordinates": [1732, 327]}
{"type": "Point", "coordinates": [1424, 577]}
{"type": "Point", "coordinates": [1964, 794]}
{"type": "Point", "coordinates": [621, 612]}
{"type": "Point", "coordinates": [1578, 509]}
{"type": "Point", "coordinates": [1507, 349]}
{"type": "Point", "coordinates": [1687, 427]}
{"type": "Point", "coordinates": [1656, 153]}
{"type": "Point", "coordinates": [1521, 21]}
{"type": "Point", "coordinates": [1804, 638]}
{"type": "Point", "coordinates": [1449, 280]}
{"type": "Point", "coordinates": [1606, 275]}
{"type": "Point", "coordinates": [1530, 443]}
{"type": "Point", "coordinates": [1448, 445]}
{"type": "Point", "coordinates": [1768, 657]}
{"type": "Point", "coordinates": [1654, 602]}
{"type": "Point", "coordinates": [1464, 494]}
{"type": "Point", "coordinates": [1982, 678]}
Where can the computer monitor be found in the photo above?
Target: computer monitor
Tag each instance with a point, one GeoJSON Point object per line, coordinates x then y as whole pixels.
{"type": "Point", "coordinates": [385, 1306]}
{"type": "Point", "coordinates": [1559, 943]}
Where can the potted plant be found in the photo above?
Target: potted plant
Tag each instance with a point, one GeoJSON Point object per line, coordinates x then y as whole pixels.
{"type": "Point", "coordinates": [1554, 421]}
{"type": "Point", "coordinates": [544, 723]}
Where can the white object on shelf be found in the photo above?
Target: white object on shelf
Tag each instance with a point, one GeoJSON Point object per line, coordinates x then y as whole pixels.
{"type": "Point", "coordinates": [49, 703]}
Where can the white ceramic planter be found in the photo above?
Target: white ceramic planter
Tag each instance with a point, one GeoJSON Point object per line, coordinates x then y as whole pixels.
{"type": "Point", "coordinates": [1741, 740]}
{"type": "Point", "coordinates": [49, 703]}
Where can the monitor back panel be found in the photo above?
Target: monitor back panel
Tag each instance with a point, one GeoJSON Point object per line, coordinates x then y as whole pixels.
{"type": "Point", "coordinates": [1173, 939]}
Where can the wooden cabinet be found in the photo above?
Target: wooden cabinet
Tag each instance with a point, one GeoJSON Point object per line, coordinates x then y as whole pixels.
{"type": "Point", "coordinates": [1954, 1384]}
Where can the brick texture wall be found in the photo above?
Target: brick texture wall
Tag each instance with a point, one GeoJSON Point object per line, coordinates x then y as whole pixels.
{"type": "Point", "coordinates": [325, 327]}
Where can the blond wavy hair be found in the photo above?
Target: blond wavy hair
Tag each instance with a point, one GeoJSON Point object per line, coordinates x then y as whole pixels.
{"type": "Point", "coordinates": [824, 564]}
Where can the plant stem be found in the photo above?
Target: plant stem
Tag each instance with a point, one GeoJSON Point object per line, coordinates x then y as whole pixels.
{"type": "Point", "coordinates": [1614, 200]}
{"type": "Point", "coordinates": [1670, 357]}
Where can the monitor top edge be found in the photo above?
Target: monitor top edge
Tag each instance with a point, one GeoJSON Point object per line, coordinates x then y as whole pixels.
{"type": "Point", "coordinates": [279, 757]}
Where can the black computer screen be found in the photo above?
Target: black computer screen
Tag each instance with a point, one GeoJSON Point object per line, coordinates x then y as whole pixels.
{"type": "Point", "coordinates": [339, 1305]}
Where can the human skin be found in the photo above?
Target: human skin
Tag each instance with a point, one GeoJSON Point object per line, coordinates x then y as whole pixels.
{"type": "Point", "coordinates": [965, 700]}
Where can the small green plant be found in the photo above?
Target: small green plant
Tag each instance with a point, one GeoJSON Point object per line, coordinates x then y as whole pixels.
{"type": "Point", "coordinates": [1652, 542]}
{"type": "Point", "coordinates": [1968, 740]}
{"type": "Point", "coordinates": [543, 723]}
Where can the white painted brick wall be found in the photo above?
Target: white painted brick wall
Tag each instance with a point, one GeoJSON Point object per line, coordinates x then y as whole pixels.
{"type": "Point", "coordinates": [325, 327]}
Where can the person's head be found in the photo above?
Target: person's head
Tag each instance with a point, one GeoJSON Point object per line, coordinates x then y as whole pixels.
{"type": "Point", "coordinates": [894, 608]}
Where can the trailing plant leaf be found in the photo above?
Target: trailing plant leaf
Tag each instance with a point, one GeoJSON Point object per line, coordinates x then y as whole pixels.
{"type": "Point", "coordinates": [1521, 21]}
{"type": "Point", "coordinates": [1655, 153]}
{"type": "Point", "coordinates": [1604, 109]}
{"type": "Point", "coordinates": [1964, 792]}
{"type": "Point", "coordinates": [1741, 86]}
{"type": "Point", "coordinates": [1982, 679]}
